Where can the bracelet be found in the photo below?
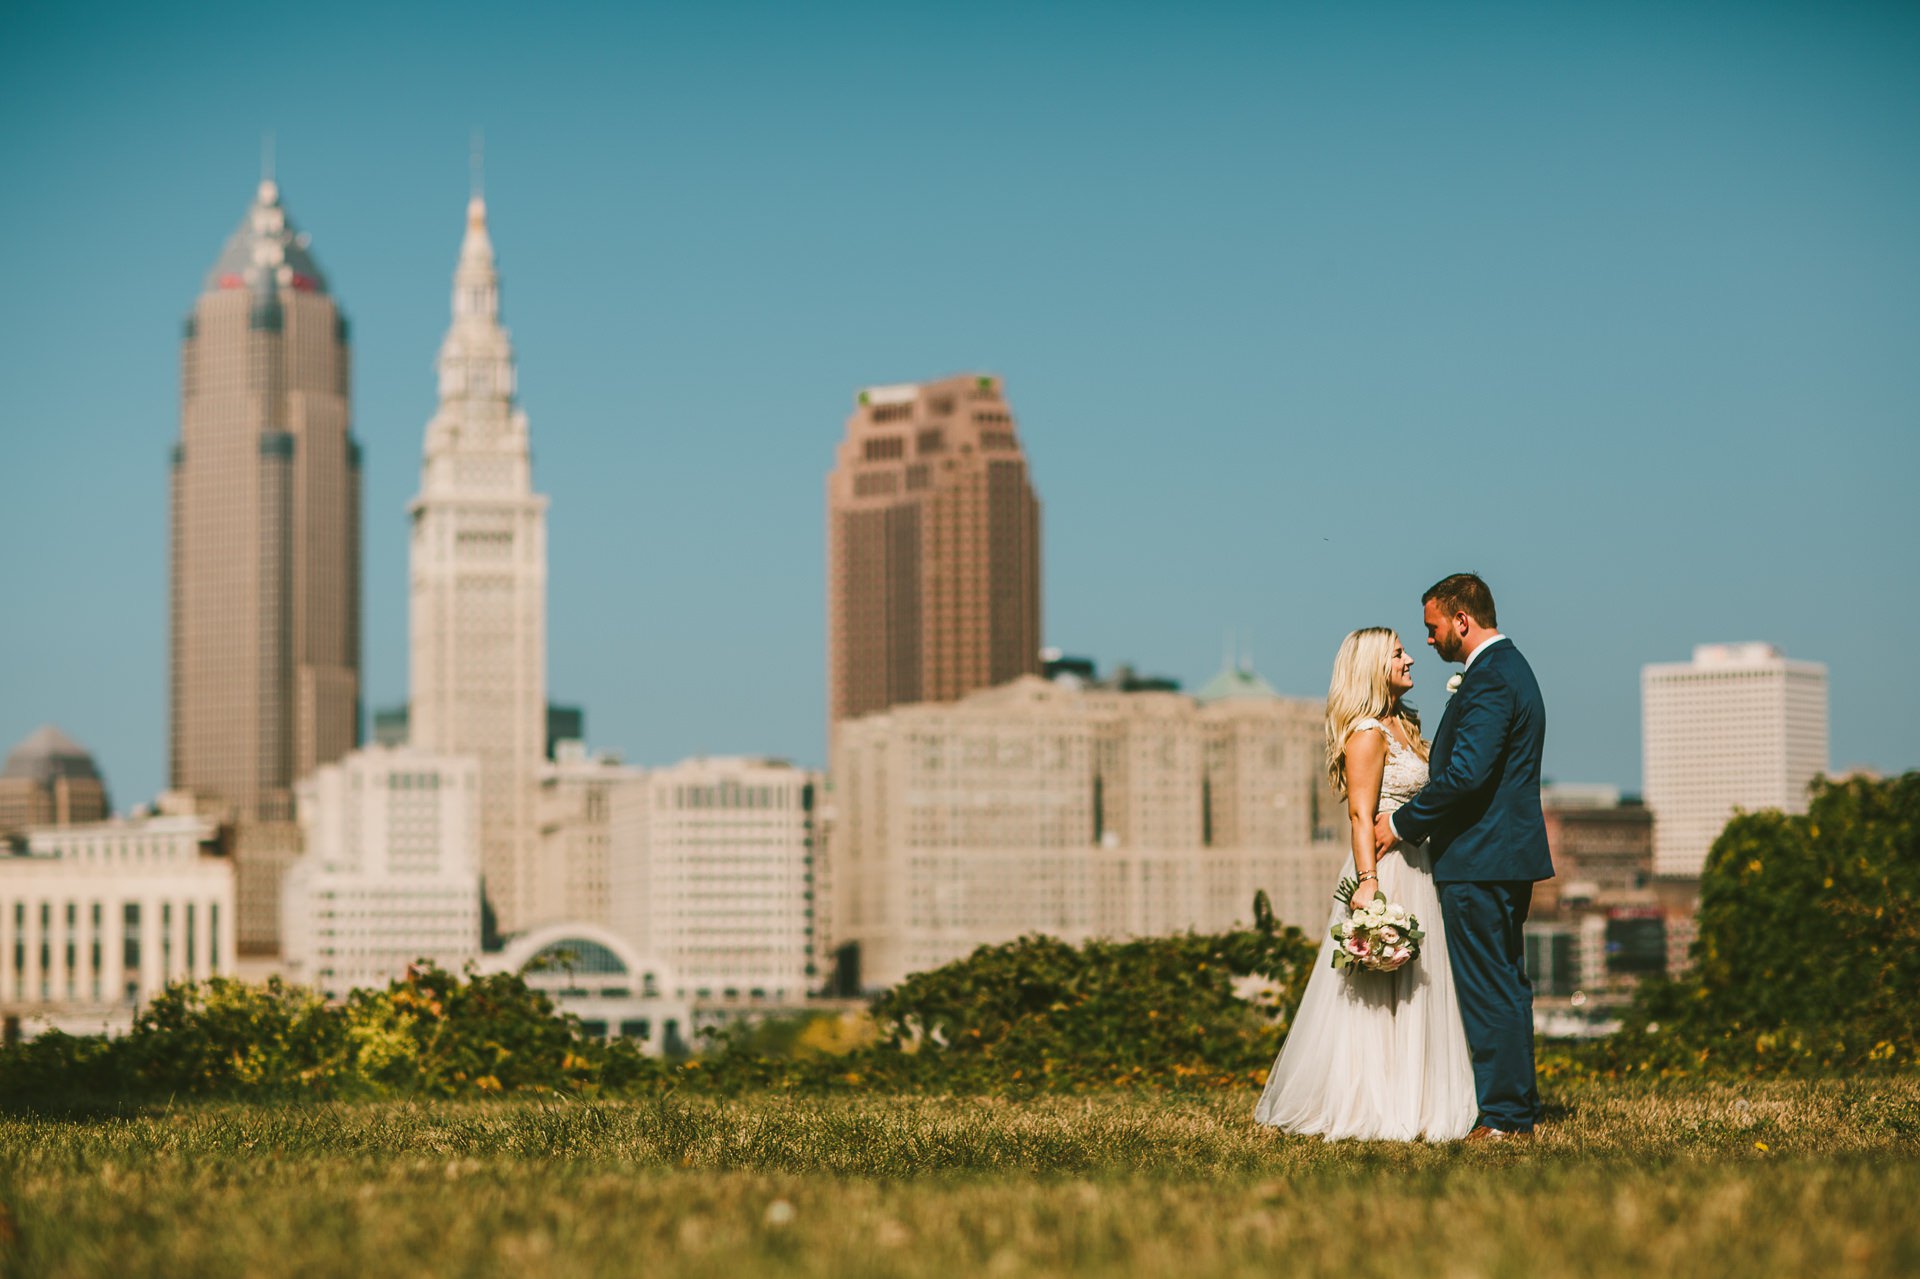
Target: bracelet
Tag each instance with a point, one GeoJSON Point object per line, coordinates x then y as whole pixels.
{"type": "Point", "coordinates": [1369, 874]}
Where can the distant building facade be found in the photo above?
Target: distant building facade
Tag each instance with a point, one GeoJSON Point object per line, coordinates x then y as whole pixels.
{"type": "Point", "coordinates": [479, 584]}
{"type": "Point", "coordinates": [96, 919]}
{"type": "Point", "coordinates": [933, 548]}
{"type": "Point", "coordinates": [1044, 807]}
{"type": "Point", "coordinates": [264, 673]}
{"type": "Point", "coordinates": [1739, 727]}
{"type": "Point", "coordinates": [390, 872]}
{"type": "Point", "coordinates": [564, 724]}
{"type": "Point", "coordinates": [574, 877]}
{"type": "Point", "coordinates": [1599, 925]}
{"type": "Point", "coordinates": [1602, 846]}
{"type": "Point", "coordinates": [713, 872]}
{"type": "Point", "coordinates": [50, 780]}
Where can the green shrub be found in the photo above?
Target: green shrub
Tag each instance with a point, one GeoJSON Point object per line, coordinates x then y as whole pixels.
{"type": "Point", "coordinates": [432, 1033]}
{"type": "Point", "coordinates": [1040, 1014]}
{"type": "Point", "coordinates": [1027, 1016]}
{"type": "Point", "coordinates": [1807, 958]}
{"type": "Point", "coordinates": [222, 1037]}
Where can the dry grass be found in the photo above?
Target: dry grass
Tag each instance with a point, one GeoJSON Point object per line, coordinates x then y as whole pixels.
{"type": "Point", "coordinates": [1776, 1179]}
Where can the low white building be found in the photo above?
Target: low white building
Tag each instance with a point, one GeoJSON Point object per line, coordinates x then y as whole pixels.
{"type": "Point", "coordinates": [390, 874]}
{"type": "Point", "coordinates": [97, 919]}
{"type": "Point", "coordinates": [597, 975]}
{"type": "Point", "coordinates": [712, 871]}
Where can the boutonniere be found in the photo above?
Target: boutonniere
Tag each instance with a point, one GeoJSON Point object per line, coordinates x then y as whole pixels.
{"type": "Point", "coordinates": [1453, 685]}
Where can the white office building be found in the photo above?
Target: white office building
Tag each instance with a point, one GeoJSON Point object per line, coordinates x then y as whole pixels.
{"type": "Point", "coordinates": [96, 919]}
{"type": "Point", "coordinates": [712, 871]}
{"type": "Point", "coordinates": [1738, 727]}
{"type": "Point", "coordinates": [391, 873]}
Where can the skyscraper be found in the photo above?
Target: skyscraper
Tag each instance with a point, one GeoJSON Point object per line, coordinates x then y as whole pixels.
{"type": "Point", "coordinates": [1740, 726]}
{"type": "Point", "coordinates": [264, 676]}
{"type": "Point", "coordinates": [479, 592]}
{"type": "Point", "coordinates": [933, 549]}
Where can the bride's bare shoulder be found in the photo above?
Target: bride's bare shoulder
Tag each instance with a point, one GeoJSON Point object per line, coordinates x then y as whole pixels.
{"type": "Point", "coordinates": [1366, 742]}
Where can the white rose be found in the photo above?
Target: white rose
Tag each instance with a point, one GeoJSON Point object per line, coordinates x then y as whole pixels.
{"type": "Point", "coordinates": [1453, 685]}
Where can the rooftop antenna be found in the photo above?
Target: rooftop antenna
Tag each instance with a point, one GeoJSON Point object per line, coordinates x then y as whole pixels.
{"type": "Point", "coordinates": [477, 166]}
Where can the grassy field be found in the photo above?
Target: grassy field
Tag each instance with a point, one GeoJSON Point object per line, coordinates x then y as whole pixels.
{"type": "Point", "coordinates": [1762, 1180]}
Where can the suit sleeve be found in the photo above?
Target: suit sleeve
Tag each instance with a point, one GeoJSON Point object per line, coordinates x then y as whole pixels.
{"type": "Point", "coordinates": [1478, 740]}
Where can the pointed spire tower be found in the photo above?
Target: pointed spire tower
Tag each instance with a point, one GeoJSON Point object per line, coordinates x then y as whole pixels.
{"type": "Point", "coordinates": [479, 591]}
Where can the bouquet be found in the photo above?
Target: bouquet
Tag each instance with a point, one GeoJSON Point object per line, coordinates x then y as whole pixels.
{"type": "Point", "coordinates": [1379, 937]}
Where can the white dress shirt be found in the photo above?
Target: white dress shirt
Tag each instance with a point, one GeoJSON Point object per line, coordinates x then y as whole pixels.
{"type": "Point", "coordinates": [1484, 645]}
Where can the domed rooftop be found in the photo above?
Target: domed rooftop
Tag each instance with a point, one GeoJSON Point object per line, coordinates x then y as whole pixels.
{"type": "Point", "coordinates": [1235, 681]}
{"type": "Point", "coordinates": [266, 250]}
{"type": "Point", "coordinates": [48, 753]}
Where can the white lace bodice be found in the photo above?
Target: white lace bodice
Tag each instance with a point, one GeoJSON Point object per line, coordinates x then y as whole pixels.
{"type": "Point", "coordinates": [1405, 773]}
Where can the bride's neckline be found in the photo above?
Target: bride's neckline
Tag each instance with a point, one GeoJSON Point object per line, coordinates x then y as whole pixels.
{"type": "Point", "coordinates": [1393, 738]}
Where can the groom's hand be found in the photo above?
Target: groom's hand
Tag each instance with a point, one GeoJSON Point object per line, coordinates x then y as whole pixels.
{"type": "Point", "coordinates": [1383, 836]}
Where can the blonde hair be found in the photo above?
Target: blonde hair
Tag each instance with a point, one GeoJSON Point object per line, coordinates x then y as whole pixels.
{"type": "Point", "coordinates": [1359, 691]}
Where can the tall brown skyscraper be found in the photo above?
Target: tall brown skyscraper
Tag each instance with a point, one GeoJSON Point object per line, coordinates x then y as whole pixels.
{"type": "Point", "coordinates": [933, 549]}
{"type": "Point", "coordinates": [265, 663]}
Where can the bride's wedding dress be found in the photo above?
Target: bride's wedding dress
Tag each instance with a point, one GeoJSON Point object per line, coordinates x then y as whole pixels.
{"type": "Point", "coordinates": [1380, 1056]}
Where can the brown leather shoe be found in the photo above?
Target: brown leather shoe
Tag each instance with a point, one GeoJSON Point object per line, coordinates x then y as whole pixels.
{"type": "Point", "coordinates": [1484, 1133]}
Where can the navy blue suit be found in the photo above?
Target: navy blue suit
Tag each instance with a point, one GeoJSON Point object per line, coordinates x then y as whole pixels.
{"type": "Point", "coordinates": [1480, 813]}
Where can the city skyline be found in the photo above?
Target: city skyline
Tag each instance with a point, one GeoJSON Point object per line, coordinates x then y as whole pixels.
{"type": "Point", "coordinates": [1675, 293]}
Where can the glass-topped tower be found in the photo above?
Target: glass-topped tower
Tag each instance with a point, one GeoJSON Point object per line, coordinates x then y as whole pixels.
{"type": "Point", "coordinates": [264, 670]}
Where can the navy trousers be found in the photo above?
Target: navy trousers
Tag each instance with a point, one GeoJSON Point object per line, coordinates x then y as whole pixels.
{"type": "Point", "coordinates": [1489, 959]}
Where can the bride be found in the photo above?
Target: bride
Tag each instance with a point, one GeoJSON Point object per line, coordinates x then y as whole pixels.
{"type": "Point", "coordinates": [1371, 1055]}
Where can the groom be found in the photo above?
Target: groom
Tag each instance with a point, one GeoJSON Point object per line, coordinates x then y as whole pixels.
{"type": "Point", "coordinates": [1481, 810]}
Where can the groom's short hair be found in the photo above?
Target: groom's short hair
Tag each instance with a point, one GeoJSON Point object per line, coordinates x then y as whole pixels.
{"type": "Point", "coordinates": [1464, 593]}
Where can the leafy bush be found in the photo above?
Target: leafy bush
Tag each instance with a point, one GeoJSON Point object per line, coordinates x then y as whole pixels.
{"type": "Point", "coordinates": [1038, 1013]}
{"type": "Point", "coordinates": [435, 1034]}
{"type": "Point", "coordinates": [1032, 1015]}
{"type": "Point", "coordinates": [430, 1034]}
{"type": "Point", "coordinates": [221, 1037]}
{"type": "Point", "coordinates": [1807, 958]}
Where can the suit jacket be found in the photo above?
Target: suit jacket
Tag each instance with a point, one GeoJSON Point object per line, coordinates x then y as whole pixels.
{"type": "Point", "coordinates": [1480, 807]}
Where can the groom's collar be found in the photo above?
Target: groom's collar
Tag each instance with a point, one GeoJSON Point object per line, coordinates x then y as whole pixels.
{"type": "Point", "coordinates": [1485, 644]}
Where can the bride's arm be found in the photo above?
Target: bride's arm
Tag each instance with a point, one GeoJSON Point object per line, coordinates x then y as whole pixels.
{"type": "Point", "coordinates": [1366, 765]}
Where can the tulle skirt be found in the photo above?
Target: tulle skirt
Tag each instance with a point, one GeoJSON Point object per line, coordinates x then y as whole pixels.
{"type": "Point", "coordinates": [1378, 1056]}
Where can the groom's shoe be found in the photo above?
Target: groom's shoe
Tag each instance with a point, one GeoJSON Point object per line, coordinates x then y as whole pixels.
{"type": "Point", "coordinates": [1484, 1133]}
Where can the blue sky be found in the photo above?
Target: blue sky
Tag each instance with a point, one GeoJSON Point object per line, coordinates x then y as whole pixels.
{"type": "Point", "coordinates": [1299, 307]}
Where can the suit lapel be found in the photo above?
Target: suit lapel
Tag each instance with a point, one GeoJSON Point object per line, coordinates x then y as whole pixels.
{"type": "Point", "coordinates": [1443, 735]}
